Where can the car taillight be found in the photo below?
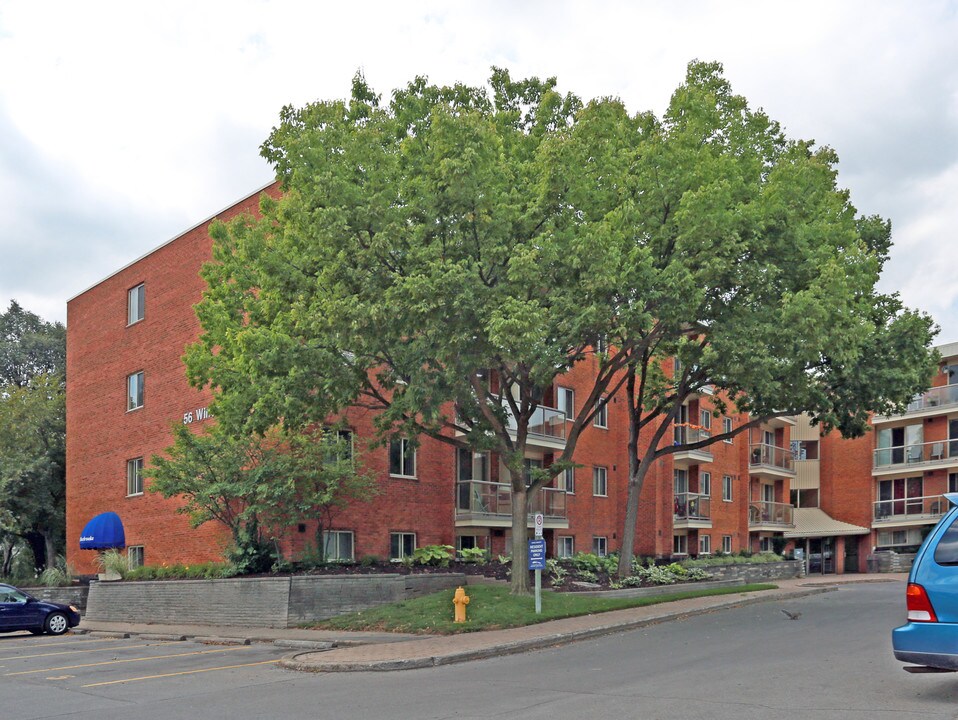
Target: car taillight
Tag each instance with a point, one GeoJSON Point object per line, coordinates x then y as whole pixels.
{"type": "Point", "coordinates": [919, 606]}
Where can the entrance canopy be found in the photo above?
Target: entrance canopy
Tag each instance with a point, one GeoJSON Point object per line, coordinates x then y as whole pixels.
{"type": "Point", "coordinates": [103, 531]}
{"type": "Point", "coordinates": [815, 522]}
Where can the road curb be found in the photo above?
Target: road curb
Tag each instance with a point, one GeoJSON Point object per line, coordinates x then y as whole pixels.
{"type": "Point", "coordinates": [537, 643]}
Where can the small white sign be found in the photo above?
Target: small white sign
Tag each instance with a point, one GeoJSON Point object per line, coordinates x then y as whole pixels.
{"type": "Point", "coordinates": [537, 523]}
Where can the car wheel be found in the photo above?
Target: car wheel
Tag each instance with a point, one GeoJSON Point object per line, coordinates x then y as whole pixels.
{"type": "Point", "coordinates": [57, 623]}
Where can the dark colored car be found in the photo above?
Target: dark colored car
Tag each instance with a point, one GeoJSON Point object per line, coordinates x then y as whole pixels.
{"type": "Point", "coordinates": [930, 639]}
{"type": "Point", "coordinates": [20, 611]}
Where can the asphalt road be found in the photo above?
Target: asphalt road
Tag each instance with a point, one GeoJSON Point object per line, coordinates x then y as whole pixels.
{"type": "Point", "coordinates": [834, 661]}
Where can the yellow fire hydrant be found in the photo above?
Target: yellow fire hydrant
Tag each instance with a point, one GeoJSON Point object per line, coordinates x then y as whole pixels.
{"type": "Point", "coordinates": [460, 600]}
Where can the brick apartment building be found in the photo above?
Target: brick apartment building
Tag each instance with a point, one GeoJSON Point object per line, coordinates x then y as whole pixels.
{"type": "Point", "coordinates": [827, 498]}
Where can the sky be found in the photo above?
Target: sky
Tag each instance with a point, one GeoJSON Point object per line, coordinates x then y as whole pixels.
{"type": "Point", "coordinates": [123, 124]}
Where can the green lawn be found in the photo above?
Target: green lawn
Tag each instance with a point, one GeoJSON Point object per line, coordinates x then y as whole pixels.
{"type": "Point", "coordinates": [491, 607]}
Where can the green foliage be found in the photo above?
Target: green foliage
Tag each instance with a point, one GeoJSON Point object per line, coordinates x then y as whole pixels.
{"type": "Point", "coordinates": [254, 484]}
{"type": "Point", "coordinates": [29, 347]}
{"type": "Point", "coordinates": [113, 562]}
{"type": "Point", "coordinates": [474, 555]}
{"type": "Point", "coordinates": [370, 560]}
{"type": "Point", "coordinates": [557, 573]}
{"type": "Point", "coordinates": [58, 574]}
{"type": "Point", "coordinates": [194, 571]}
{"type": "Point", "coordinates": [743, 558]}
{"type": "Point", "coordinates": [439, 555]}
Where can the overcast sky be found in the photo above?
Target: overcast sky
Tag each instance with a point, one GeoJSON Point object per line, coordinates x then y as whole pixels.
{"type": "Point", "coordinates": [122, 124]}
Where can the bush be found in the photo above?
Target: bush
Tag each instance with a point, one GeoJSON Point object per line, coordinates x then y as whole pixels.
{"type": "Point", "coordinates": [196, 571]}
{"type": "Point", "coordinates": [112, 562]}
{"type": "Point", "coordinates": [475, 554]}
{"type": "Point", "coordinates": [438, 555]}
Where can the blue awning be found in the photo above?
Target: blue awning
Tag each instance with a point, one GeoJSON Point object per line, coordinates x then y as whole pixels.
{"type": "Point", "coordinates": [103, 531]}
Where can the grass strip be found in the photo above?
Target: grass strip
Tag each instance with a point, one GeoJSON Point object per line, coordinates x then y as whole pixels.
{"type": "Point", "coordinates": [491, 607]}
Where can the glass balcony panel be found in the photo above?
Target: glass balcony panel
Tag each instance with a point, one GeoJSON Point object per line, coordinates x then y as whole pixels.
{"type": "Point", "coordinates": [479, 498]}
{"type": "Point", "coordinates": [929, 452]}
{"type": "Point", "coordinates": [692, 506]}
{"type": "Point", "coordinates": [545, 422]}
{"type": "Point", "coordinates": [765, 512]}
{"type": "Point", "coordinates": [927, 507]}
{"type": "Point", "coordinates": [772, 456]}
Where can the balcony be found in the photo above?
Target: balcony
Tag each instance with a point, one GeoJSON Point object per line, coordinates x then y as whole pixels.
{"type": "Point", "coordinates": [917, 457]}
{"type": "Point", "coordinates": [910, 511]}
{"type": "Point", "coordinates": [684, 434]}
{"type": "Point", "coordinates": [546, 428]}
{"type": "Point", "coordinates": [489, 504]}
{"type": "Point", "coordinates": [771, 461]}
{"type": "Point", "coordinates": [930, 402]}
{"type": "Point", "coordinates": [767, 515]}
{"type": "Point", "coordinates": [692, 510]}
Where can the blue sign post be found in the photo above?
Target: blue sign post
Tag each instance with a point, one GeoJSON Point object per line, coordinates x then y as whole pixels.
{"type": "Point", "coordinates": [537, 562]}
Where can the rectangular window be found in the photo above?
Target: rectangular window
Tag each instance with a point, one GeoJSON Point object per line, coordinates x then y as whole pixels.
{"type": "Point", "coordinates": [401, 544]}
{"type": "Point", "coordinates": [338, 545]}
{"type": "Point", "coordinates": [705, 544]}
{"type": "Point", "coordinates": [680, 544]}
{"type": "Point", "coordinates": [765, 544]}
{"type": "Point", "coordinates": [600, 482]}
{"type": "Point", "coordinates": [727, 427]}
{"type": "Point", "coordinates": [705, 483]}
{"type": "Point", "coordinates": [805, 449]}
{"type": "Point", "coordinates": [727, 488]}
{"type": "Point", "coordinates": [952, 482]}
{"type": "Point", "coordinates": [136, 304]}
{"type": "Point", "coordinates": [472, 465]}
{"type": "Point", "coordinates": [339, 443]}
{"type": "Point", "coordinates": [134, 391]}
{"type": "Point", "coordinates": [134, 556]}
{"type": "Point", "coordinates": [706, 417]}
{"type": "Point", "coordinates": [402, 458]}
{"type": "Point", "coordinates": [601, 418]}
{"type": "Point", "coordinates": [566, 400]}
{"type": "Point", "coordinates": [567, 480]}
{"type": "Point", "coordinates": [600, 546]}
{"type": "Point", "coordinates": [602, 345]}
{"type": "Point", "coordinates": [727, 544]}
{"type": "Point", "coordinates": [565, 546]}
{"type": "Point", "coordinates": [134, 476]}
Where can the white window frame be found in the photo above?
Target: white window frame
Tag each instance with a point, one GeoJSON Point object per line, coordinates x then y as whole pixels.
{"type": "Point", "coordinates": [727, 544]}
{"type": "Point", "coordinates": [404, 450]}
{"type": "Point", "coordinates": [134, 477]}
{"type": "Point", "coordinates": [401, 535]}
{"type": "Point", "coordinates": [134, 556]}
{"type": "Point", "coordinates": [135, 390]}
{"type": "Point", "coordinates": [565, 546]}
{"type": "Point", "coordinates": [600, 481]}
{"type": "Point", "coordinates": [727, 428]}
{"type": "Point", "coordinates": [727, 488]}
{"type": "Point", "coordinates": [135, 304]}
{"type": "Point", "coordinates": [765, 544]}
{"type": "Point", "coordinates": [680, 544]}
{"type": "Point", "coordinates": [566, 401]}
{"type": "Point", "coordinates": [601, 417]}
{"type": "Point", "coordinates": [705, 417]}
{"type": "Point", "coordinates": [705, 483]}
{"type": "Point", "coordinates": [705, 544]}
{"type": "Point", "coordinates": [337, 537]}
{"type": "Point", "coordinates": [567, 481]}
{"type": "Point", "coordinates": [600, 545]}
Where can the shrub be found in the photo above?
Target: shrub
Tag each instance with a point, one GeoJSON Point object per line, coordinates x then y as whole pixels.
{"type": "Point", "coordinates": [370, 560]}
{"type": "Point", "coordinates": [557, 573]}
{"type": "Point", "coordinates": [475, 554]}
{"type": "Point", "coordinates": [112, 562]}
{"type": "Point", "coordinates": [439, 555]}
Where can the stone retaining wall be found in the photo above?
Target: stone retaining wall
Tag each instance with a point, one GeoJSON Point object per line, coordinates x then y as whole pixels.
{"type": "Point", "coordinates": [256, 602]}
{"type": "Point", "coordinates": [757, 572]}
{"type": "Point", "coordinates": [76, 596]}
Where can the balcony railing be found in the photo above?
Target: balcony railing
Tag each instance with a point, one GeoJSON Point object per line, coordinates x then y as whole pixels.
{"type": "Point", "coordinates": [692, 506]}
{"type": "Point", "coordinates": [934, 398]}
{"type": "Point", "coordinates": [481, 498]}
{"type": "Point", "coordinates": [545, 422]}
{"type": "Point", "coordinates": [772, 456]}
{"type": "Point", "coordinates": [683, 434]}
{"type": "Point", "coordinates": [765, 512]}
{"type": "Point", "coordinates": [930, 452]}
{"type": "Point", "coordinates": [928, 507]}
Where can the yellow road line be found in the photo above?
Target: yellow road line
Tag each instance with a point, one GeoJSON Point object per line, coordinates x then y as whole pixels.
{"type": "Point", "coordinates": [89, 650]}
{"type": "Point", "coordinates": [68, 642]}
{"type": "Point", "coordinates": [182, 672]}
{"type": "Point", "coordinates": [129, 660]}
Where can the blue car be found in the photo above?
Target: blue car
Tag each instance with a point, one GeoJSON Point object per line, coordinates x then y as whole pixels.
{"type": "Point", "coordinates": [20, 611]}
{"type": "Point", "coordinates": [930, 639]}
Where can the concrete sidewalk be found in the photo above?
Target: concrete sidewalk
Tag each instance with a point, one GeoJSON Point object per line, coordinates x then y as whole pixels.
{"type": "Point", "coordinates": [325, 651]}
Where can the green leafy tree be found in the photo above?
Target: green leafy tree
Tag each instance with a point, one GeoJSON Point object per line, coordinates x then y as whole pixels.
{"type": "Point", "coordinates": [440, 259]}
{"type": "Point", "coordinates": [29, 346]}
{"type": "Point", "coordinates": [32, 474]}
{"type": "Point", "coordinates": [770, 277]}
{"type": "Point", "coordinates": [256, 485]}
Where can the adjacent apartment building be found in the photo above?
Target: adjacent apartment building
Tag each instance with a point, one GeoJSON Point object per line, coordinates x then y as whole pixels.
{"type": "Point", "coordinates": [780, 486]}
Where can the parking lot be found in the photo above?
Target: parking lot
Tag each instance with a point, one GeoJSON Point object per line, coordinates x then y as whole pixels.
{"type": "Point", "coordinates": [76, 665]}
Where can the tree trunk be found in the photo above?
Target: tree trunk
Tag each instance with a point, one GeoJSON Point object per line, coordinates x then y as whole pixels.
{"type": "Point", "coordinates": [51, 549]}
{"type": "Point", "coordinates": [7, 566]}
{"type": "Point", "coordinates": [520, 522]}
{"type": "Point", "coordinates": [637, 472]}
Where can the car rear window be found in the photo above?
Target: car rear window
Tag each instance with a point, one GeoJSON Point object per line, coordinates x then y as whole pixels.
{"type": "Point", "coordinates": [947, 551]}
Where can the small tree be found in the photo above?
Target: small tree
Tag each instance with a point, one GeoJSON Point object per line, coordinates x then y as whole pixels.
{"type": "Point", "coordinates": [257, 484]}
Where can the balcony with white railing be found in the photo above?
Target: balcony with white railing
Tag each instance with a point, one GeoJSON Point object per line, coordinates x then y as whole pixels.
{"type": "Point", "coordinates": [692, 510]}
{"type": "Point", "coordinates": [771, 461]}
{"type": "Point", "coordinates": [686, 435]}
{"type": "Point", "coordinates": [480, 502]}
{"type": "Point", "coordinates": [931, 402]}
{"type": "Point", "coordinates": [767, 515]}
{"type": "Point", "coordinates": [910, 511]}
{"type": "Point", "coordinates": [916, 456]}
{"type": "Point", "coordinates": [547, 427]}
